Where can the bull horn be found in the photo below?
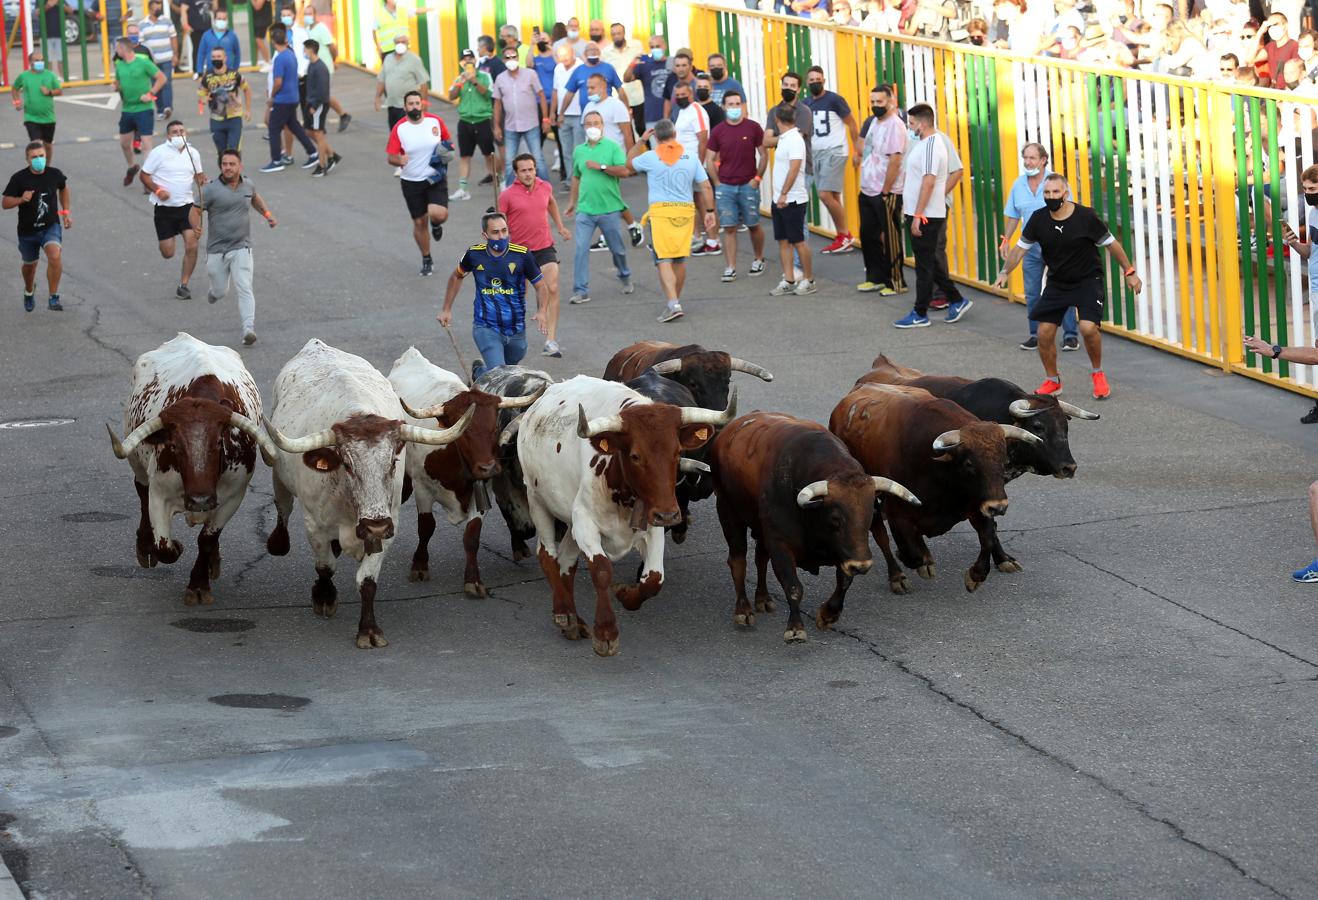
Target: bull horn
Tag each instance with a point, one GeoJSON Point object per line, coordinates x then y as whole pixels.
{"type": "Point", "coordinates": [740, 365]}
{"type": "Point", "coordinates": [691, 465]}
{"type": "Point", "coordinates": [815, 490]}
{"type": "Point", "coordinates": [135, 437]}
{"type": "Point", "coordinates": [506, 436]}
{"type": "Point", "coordinates": [694, 415]}
{"type": "Point", "coordinates": [947, 440]}
{"type": "Point", "coordinates": [667, 367]}
{"type": "Point", "coordinates": [588, 429]}
{"type": "Point", "coordinates": [269, 452]}
{"type": "Point", "coordinates": [887, 485]}
{"type": "Point", "coordinates": [437, 437]}
{"type": "Point", "coordinates": [304, 444]}
{"type": "Point", "coordinates": [1076, 412]}
{"type": "Point", "coordinates": [430, 412]}
{"type": "Point", "coordinates": [1020, 434]}
{"type": "Point", "coordinates": [523, 401]}
{"type": "Point", "coordinates": [1021, 409]}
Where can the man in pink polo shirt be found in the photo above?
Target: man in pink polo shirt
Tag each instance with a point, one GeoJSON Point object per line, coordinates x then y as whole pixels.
{"type": "Point", "coordinates": [521, 114]}
{"type": "Point", "coordinates": [529, 205]}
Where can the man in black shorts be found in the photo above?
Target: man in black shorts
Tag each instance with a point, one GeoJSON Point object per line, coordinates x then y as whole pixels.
{"type": "Point", "coordinates": [473, 90]}
{"type": "Point", "coordinates": [171, 173]}
{"type": "Point", "coordinates": [411, 146]}
{"type": "Point", "coordinates": [529, 205]}
{"type": "Point", "coordinates": [1069, 236]}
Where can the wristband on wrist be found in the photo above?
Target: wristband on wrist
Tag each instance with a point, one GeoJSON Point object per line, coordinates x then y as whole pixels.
{"type": "Point", "coordinates": [151, 95]}
{"type": "Point", "coordinates": [267, 214]}
{"type": "Point", "coordinates": [923, 220]}
{"type": "Point", "coordinates": [1129, 272]}
{"type": "Point", "coordinates": [159, 191]}
{"type": "Point", "coordinates": [65, 212]}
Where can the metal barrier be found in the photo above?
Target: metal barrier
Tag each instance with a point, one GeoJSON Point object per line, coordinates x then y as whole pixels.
{"type": "Point", "coordinates": [1194, 178]}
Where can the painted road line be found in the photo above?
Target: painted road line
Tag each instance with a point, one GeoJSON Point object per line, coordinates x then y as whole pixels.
{"type": "Point", "coordinates": [8, 886]}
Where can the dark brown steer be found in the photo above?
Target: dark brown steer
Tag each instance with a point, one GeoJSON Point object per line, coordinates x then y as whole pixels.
{"type": "Point", "coordinates": [952, 460]}
{"type": "Point", "coordinates": [707, 374]}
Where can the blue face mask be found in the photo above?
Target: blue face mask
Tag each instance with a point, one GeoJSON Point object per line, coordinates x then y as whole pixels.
{"type": "Point", "coordinates": [497, 246]}
{"type": "Point", "coordinates": [38, 164]}
{"type": "Point", "coordinates": [733, 114]}
{"type": "Point", "coordinates": [595, 98]}
{"type": "Point", "coordinates": [287, 20]}
{"type": "Point", "coordinates": [38, 65]}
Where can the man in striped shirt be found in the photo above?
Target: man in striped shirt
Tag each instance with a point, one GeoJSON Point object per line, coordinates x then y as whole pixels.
{"type": "Point", "coordinates": [158, 34]}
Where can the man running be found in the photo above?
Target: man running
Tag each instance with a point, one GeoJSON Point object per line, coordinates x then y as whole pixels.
{"type": "Point", "coordinates": [735, 160]}
{"type": "Point", "coordinates": [34, 91]}
{"type": "Point", "coordinates": [229, 98]}
{"type": "Point", "coordinates": [229, 244]}
{"type": "Point", "coordinates": [411, 145]}
{"type": "Point", "coordinates": [501, 269]}
{"type": "Point", "coordinates": [171, 173]}
{"type": "Point", "coordinates": [282, 104]}
{"type": "Point", "coordinates": [672, 175]}
{"type": "Point", "coordinates": [41, 195]}
{"type": "Point", "coordinates": [160, 37]}
{"type": "Point", "coordinates": [137, 80]}
{"type": "Point", "coordinates": [530, 206]}
{"type": "Point", "coordinates": [317, 108]}
{"type": "Point", "coordinates": [1069, 236]}
{"type": "Point", "coordinates": [1023, 200]}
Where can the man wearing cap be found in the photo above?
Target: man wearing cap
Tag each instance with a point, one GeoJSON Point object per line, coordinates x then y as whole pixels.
{"type": "Point", "coordinates": [521, 114]}
{"type": "Point", "coordinates": [400, 73]}
{"type": "Point", "coordinates": [474, 91]}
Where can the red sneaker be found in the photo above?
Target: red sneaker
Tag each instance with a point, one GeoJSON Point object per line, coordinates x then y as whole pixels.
{"type": "Point", "coordinates": [1101, 389]}
{"type": "Point", "coordinates": [939, 303]}
{"type": "Point", "coordinates": [841, 244]}
{"type": "Point", "coordinates": [1049, 387]}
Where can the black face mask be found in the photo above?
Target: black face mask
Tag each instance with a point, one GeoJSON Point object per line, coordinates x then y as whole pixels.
{"type": "Point", "coordinates": [620, 43]}
{"type": "Point", "coordinates": [542, 46]}
{"type": "Point", "coordinates": [682, 102]}
{"type": "Point", "coordinates": [788, 95]}
{"type": "Point", "coordinates": [702, 94]}
{"type": "Point", "coordinates": [592, 60]}
{"type": "Point", "coordinates": [217, 65]}
{"type": "Point", "coordinates": [414, 115]}
{"type": "Point", "coordinates": [879, 111]}
{"type": "Point", "coordinates": [1053, 203]}
{"type": "Point", "coordinates": [717, 74]}
{"type": "Point", "coordinates": [1311, 199]}
{"type": "Point", "coordinates": [597, 38]}
{"type": "Point", "coordinates": [816, 89]}
{"type": "Point", "coordinates": [977, 40]}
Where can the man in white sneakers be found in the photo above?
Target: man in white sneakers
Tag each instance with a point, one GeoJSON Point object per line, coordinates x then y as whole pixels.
{"type": "Point", "coordinates": [411, 145]}
{"type": "Point", "coordinates": [171, 173]}
{"type": "Point", "coordinates": [791, 199]}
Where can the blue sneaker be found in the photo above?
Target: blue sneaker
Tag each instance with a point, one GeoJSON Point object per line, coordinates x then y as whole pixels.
{"type": "Point", "coordinates": [1307, 575]}
{"type": "Point", "coordinates": [958, 309]}
{"type": "Point", "coordinates": [913, 320]}
{"type": "Point", "coordinates": [29, 302]}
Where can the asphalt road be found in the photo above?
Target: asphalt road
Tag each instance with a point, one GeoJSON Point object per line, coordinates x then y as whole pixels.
{"type": "Point", "coordinates": [1133, 715]}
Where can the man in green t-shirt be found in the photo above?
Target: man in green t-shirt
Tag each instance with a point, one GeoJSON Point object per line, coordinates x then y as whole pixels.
{"type": "Point", "coordinates": [474, 91]}
{"type": "Point", "coordinates": [34, 92]}
{"type": "Point", "coordinates": [138, 81]}
{"type": "Point", "coordinates": [597, 201]}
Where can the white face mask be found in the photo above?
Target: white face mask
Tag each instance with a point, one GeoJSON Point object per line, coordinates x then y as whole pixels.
{"type": "Point", "coordinates": [594, 134]}
{"type": "Point", "coordinates": [177, 142]}
{"type": "Point", "coordinates": [573, 34]}
{"type": "Point", "coordinates": [510, 65]}
{"type": "Point", "coordinates": [1031, 172]}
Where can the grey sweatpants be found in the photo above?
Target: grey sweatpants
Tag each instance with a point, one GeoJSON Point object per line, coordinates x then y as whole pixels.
{"type": "Point", "coordinates": [236, 264]}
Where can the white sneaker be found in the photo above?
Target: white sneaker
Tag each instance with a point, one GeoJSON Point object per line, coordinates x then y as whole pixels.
{"type": "Point", "coordinates": [797, 274]}
{"type": "Point", "coordinates": [460, 194]}
{"type": "Point", "coordinates": [784, 287]}
{"type": "Point", "coordinates": [552, 349]}
{"type": "Point", "coordinates": [263, 68]}
{"type": "Point", "coordinates": [671, 313]}
{"type": "Point", "coordinates": [577, 299]}
{"type": "Point", "coordinates": [627, 286]}
{"type": "Point", "coordinates": [742, 228]}
{"type": "Point", "coordinates": [757, 268]}
{"type": "Point", "coordinates": [803, 287]}
{"type": "Point", "coordinates": [729, 274]}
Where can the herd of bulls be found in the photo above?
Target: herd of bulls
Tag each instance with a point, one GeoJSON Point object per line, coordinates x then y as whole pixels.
{"type": "Point", "coordinates": [588, 467]}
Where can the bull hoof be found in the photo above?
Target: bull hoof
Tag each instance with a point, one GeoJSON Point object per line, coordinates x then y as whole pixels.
{"type": "Point", "coordinates": [1010, 565]}
{"type": "Point", "coordinates": [336, 548]}
{"type": "Point", "coordinates": [824, 619]}
{"type": "Point", "coordinates": [277, 543]}
{"type": "Point", "coordinates": [520, 552]}
{"type": "Point", "coordinates": [679, 536]}
{"type": "Point", "coordinates": [194, 596]}
{"type": "Point", "coordinates": [325, 608]}
{"type": "Point", "coordinates": [170, 553]}
{"type": "Point", "coordinates": [795, 635]}
{"type": "Point", "coordinates": [475, 590]}
{"type": "Point", "coordinates": [570, 627]}
{"type": "Point", "coordinates": [971, 584]}
{"type": "Point", "coordinates": [418, 574]}
{"type": "Point", "coordinates": [744, 619]}
{"type": "Point", "coordinates": [899, 584]}
{"type": "Point", "coordinates": [605, 648]}
{"type": "Point", "coordinates": [368, 640]}
{"type": "Point", "coordinates": [927, 571]}
{"type": "Point", "coordinates": [764, 604]}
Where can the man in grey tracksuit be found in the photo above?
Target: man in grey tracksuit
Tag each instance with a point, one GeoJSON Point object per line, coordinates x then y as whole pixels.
{"type": "Point", "coordinates": [229, 240]}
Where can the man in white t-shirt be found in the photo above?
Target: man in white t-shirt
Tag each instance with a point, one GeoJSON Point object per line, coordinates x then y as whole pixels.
{"type": "Point", "coordinates": [924, 203]}
{"type": "Point", "coordinates": [570, 132]}
{"type": "Point", "coordinates": [617, 118]}
{"type": "Point", "coordinates": [170, 173]}
{"type": "Point", "coordinates": [620, 53]}
{"type": "Point", "coordinates": [791, 200]}
{"type": "Point", "coordinates": [411, 145]}
{"type": "Point", "coordinates": [692, 125]}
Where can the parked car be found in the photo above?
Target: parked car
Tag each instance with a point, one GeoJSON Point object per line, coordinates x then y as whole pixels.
{"type": "Point", "coordinates": [72, 25]}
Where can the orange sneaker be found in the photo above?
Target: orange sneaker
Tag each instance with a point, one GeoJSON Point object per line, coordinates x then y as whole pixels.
{"type": "Point", "coordinates": [1101, 389]}
{"type": "Point", "coordinates": [1049, 387]}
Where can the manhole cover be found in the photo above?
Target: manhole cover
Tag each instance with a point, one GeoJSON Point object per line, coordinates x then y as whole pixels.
{"type": "Point", "coordinates": [214, 626]}
{"type": "Point", "coordinates": [259, 701]}
{"type": "Point", "coordinates": [35, 423]}
{"type": "Point", "coordinates": [93, 516]}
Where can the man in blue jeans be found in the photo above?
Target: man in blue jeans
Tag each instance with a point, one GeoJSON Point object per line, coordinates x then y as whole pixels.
{"type": "Point", "coordinates": [501, 270]}
{"type": "Point", "coordinates": [283, 104]}
{"type": "Point", "coordinates": [597, 202]}
{"type": "Point", "coordinates": [1024, 199]}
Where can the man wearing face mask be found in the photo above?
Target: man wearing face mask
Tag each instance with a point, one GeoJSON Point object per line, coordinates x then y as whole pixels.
{"type": "Point", "coordinates": [219, 37]}
{"type": "Point", "coordinates": [574, 40]}
{"type": "Point", "coordinates": [474, 91]}
{"type": "Point", "coordinates": [411, 147]}
{"type": "Point", "coordinates": [171, 174]}
{"type": "Point", "coordinates": [578, 81]}
{"type": "Point", "coordinates": [652, 72]}
{"type": "Point", "coordinates": [1279, 47]}
{"type": "Point", "coordinates": [160, 38]}
{"type": "Point", "coordinates": [34, 93]}
{"type": "Point", "coordinates": [802, 117]}
{"type": "Point", "coordinates": [282, 105]}
{"type": "Point", "coordinates": [1024, 200]}
{"type": "Point", "coordinates": [1305, 250]}
{"type": "Point", "coordinates": [319, 32]}
{"type": "Point", "coordinates": [597, 204]}
{"type": "Point", "coordinates": [229, 97]}
{"type": "Point", "coordinates": [735, 160]}
{"type": "Point", "coordinates": [684, 73]}
{"type": "Point", "coordinates": [704, 96]}
{"type": "Point", "coordinates": [401, 72]}
{"type": "Point", "coordinates": [195, 15]}
{"type": "Point", "coordinates": [692, 125]}
{"type": "Point", "coordinates": [138, 82]}
{"type": "Point", "coordinates": [720, 81]}
{"type": "Point", "coordinates": [833, 126]}
{"type": "Point", "coordinates": [884, 145]}
{"type": "Point", "coordinates": [521, 114]}
{"type": "Point", "coordinates": [1069, 235]}
{"type": "Point", "coordinates": [501, 270]}
{"type": "Point", "coordinates": [40, 193]}
{"type": "Point", "coordinates": [621, 53]}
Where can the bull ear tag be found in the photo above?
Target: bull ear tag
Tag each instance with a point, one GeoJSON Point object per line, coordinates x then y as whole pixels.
{"type": "Point", "coordinates": [702, 434]}
{"type": "Point", "coordinates": [322, 464]}
{"type": "Point", "coordinates": [604, 445]}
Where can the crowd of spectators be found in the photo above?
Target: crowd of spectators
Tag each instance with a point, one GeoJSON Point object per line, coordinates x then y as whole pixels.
{"type": "Point", "coordinates": [1236, 41]}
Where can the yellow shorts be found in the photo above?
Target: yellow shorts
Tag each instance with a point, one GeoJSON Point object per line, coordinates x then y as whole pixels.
{"type": "Point", "coordinates": [671, 228]}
